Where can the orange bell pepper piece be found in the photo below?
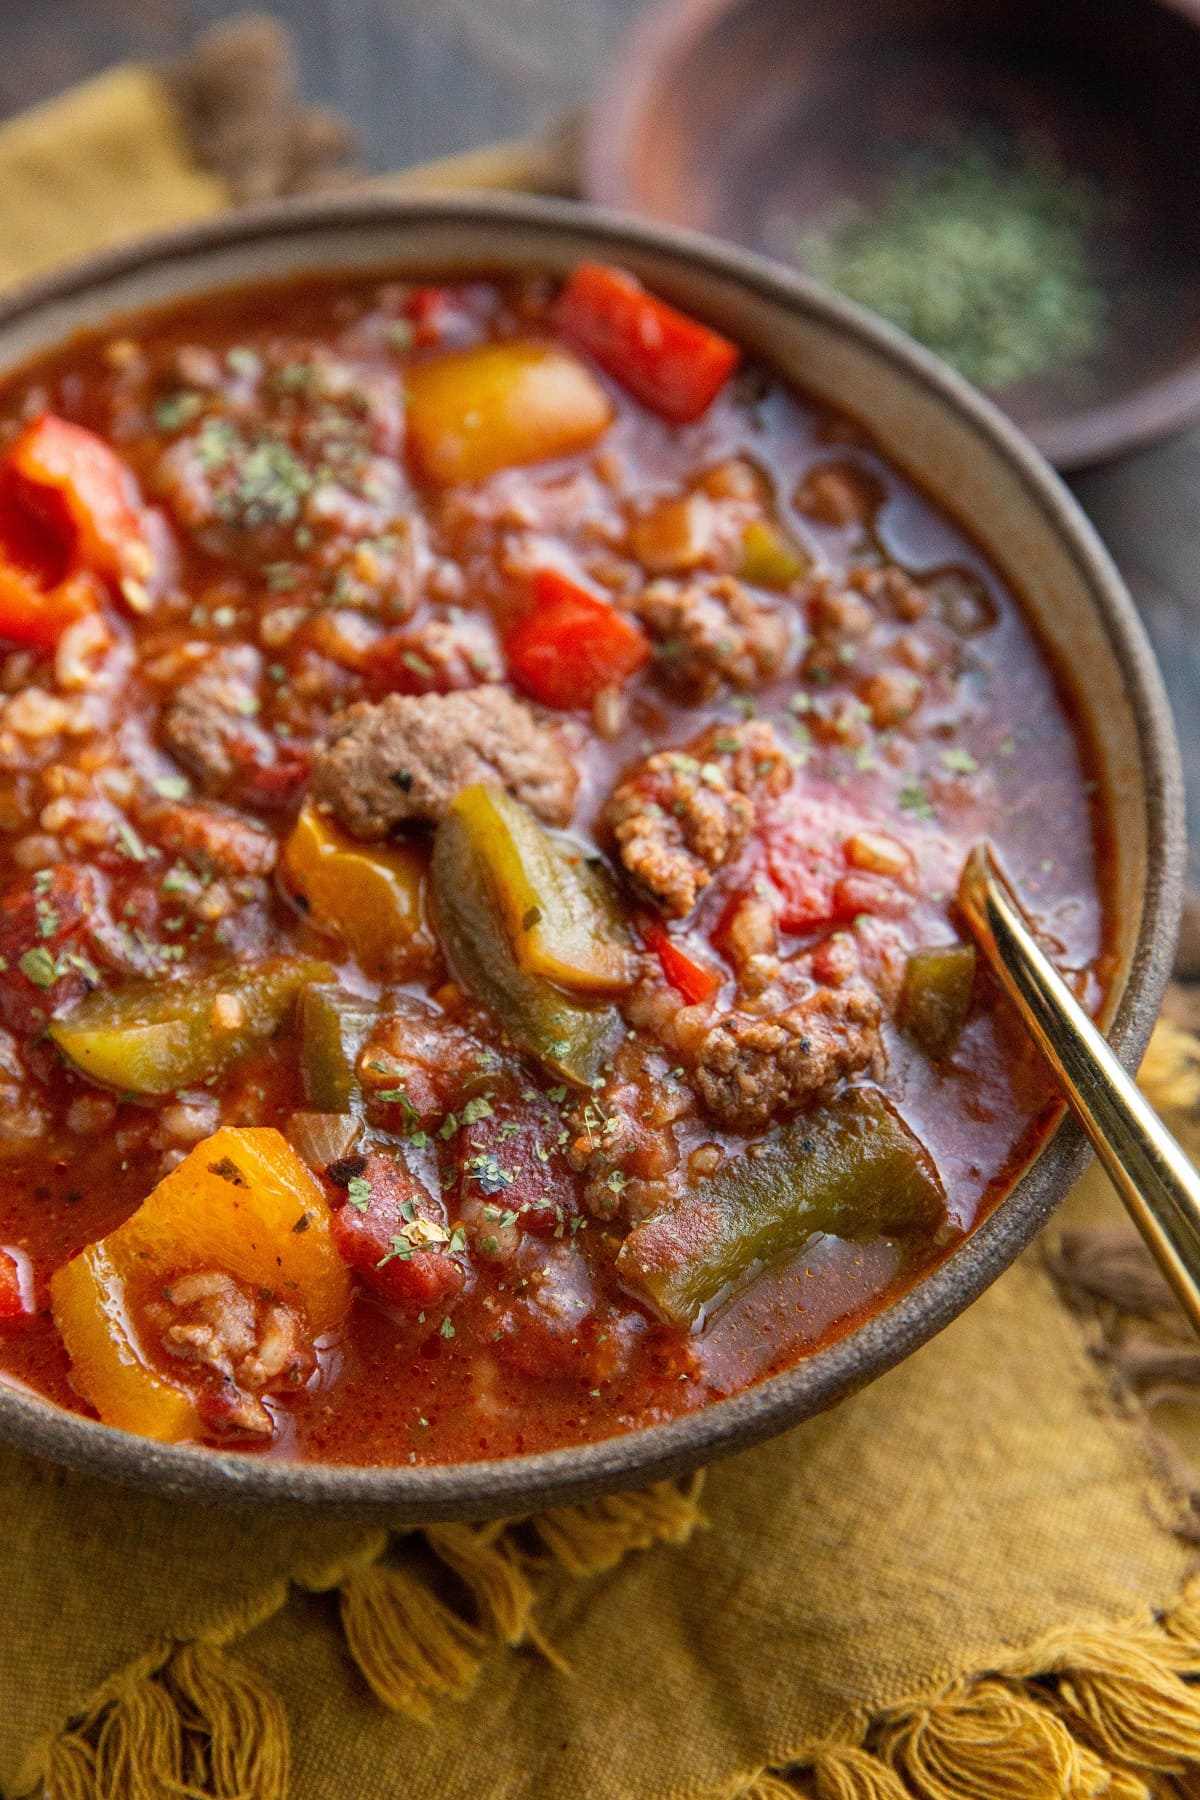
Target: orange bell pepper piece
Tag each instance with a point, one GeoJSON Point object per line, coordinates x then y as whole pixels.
{"type": "Point", "coordinates": [373, 896]}
{"type": "Point", "coordinates": [496, 406]}
{"type": "Point", "coordinates": [235, 1204]}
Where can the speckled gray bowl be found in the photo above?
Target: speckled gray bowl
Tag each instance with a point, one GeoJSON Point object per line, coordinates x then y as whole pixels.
{"type": "Point", "coordinates": [972, 462]}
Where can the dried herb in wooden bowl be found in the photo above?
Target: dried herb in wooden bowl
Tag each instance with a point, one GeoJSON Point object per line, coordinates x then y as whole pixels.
{"type": "Point", "coordinates": [980, 250]}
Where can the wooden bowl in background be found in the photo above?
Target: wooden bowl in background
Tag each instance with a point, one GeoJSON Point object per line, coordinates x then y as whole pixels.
{"type": "Point", "coordinates": [747, 118]}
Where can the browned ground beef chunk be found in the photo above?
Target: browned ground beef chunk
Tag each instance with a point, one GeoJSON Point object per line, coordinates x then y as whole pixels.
{"type": "Point", "coordinates": [712, 630]}
{"type": "Point", "coordinates": [408, 757]}
{"type": "Point", "coordinates": [622, 1137]}
{"type": "Point", "coordinates": [839, 494]}
{"type": "Point", "coordinates": [210, 723]}
{"type": "Point", "coordinates": [749, 1071]}
{"type": "Point", "coordinates": [683, 814]}
{"type": "Point", "coordinates": [240, 1344]}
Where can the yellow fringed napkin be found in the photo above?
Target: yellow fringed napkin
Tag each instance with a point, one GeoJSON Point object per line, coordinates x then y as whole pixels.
{"type": "Point", "coordinates": [102, 163]}
{"type": "Point", "coordinates": [971, 1581]}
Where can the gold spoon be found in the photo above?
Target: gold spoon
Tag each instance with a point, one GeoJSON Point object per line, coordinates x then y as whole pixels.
{"type": "Point", "coordinates": [1149, 1170]}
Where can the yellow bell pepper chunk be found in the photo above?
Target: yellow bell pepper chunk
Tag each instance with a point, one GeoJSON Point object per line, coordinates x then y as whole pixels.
{"type": "Point", "coordinates": [497, 406]}
{"type": "Point", "coordinates": [372, 896]}
{"type": "Point", "coordinates": [107, 1366]}
{"type": "Point", "coordinates": [235, 1204]}
{"type": "Point", "coordinates": [769, 558]}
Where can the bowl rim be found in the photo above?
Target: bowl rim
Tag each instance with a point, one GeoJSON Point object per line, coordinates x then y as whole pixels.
{"type": "Point", "coordinates": [1082, 437]}
{"type": "Point", "coordinates": [510, 1485]}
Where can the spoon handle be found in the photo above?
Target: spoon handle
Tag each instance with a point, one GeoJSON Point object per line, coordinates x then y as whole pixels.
{"type": "Point", "coordinates": [1148, 1168]}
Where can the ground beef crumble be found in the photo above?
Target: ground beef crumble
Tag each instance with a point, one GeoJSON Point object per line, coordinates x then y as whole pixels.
{"type": "Point", "coordinates": [406, 758]}
{"type": "Point", "coordinates": [211, 727]}
{"type": "Point", "coordinates": [713, 630]}
{"type": "Point", "coordinates": [749, 1071]}
{"type": "Point", "coordinates": [681, 815]}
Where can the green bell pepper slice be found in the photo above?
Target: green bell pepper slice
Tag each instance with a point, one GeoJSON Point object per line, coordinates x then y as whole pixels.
{"type": "Point", "coordinates": [474, 904]}
{"type": "Point", "coordinates": [154, 1037]}
{"type": "Point", "coordinates": [560, 911]}
{"type": "Point", "coordinates": [853, 1170]}
{"type": "Point", "coordinates": [936, 996]}
{"type": "Point", "coordinates": [333, 1028]}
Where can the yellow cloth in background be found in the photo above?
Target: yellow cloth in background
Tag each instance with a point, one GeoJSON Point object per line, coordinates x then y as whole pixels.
{"type": "Point", "coordinates": [103, 163]}
{"type": "Point", "coordinates": [983, 1508]}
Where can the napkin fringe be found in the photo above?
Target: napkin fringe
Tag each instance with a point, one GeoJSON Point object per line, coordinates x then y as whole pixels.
{"type": "Point", "coordinates": [185, 1720]}
{"type": "Point", "coordinates": [1086, 1713]}
{"type": "Point", "coordinates": [587, 1540]}
{"type": "Point", "coordinates": [419, 1614]}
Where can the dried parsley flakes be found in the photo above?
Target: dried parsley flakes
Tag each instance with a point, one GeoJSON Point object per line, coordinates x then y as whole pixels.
{"type": "Point", "coordinates": [980, 251]}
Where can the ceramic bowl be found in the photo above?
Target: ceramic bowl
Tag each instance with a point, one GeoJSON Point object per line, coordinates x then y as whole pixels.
{"type": "Point", "coordinates": [752, 118]}
{"type": "Point", "coordinates": [973, 464]}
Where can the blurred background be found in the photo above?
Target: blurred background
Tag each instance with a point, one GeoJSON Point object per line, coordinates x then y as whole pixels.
{"type": "Point", "coordinates": [418, 78]}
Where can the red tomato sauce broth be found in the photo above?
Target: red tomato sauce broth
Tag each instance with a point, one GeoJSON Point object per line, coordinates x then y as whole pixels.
{"type": "Point", "coordinates": [300, 524]}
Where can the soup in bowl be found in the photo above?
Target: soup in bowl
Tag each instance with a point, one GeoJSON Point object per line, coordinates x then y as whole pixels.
{"type": "Point", "coordinates": [494, 706]}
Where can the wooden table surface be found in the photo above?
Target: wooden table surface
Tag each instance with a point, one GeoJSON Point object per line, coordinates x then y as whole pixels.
{"type": "Point", "coordinates": [423, 78]}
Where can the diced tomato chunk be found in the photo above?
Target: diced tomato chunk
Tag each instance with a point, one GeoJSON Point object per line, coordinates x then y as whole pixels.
{"type": "Point", "coordinates": [277, 783]}
{"type": "Point", "coordinates": [879, 895]}
{"type": "Point", "coordinates": [572, 645]}
{"type": "Point", "coordinates": [390, 1232]}
{"type": "Point", "coordinates": [508, 1159]}
{"type": "Point", "coordinates": [695, 981]}
{"type": "Point", "coordinates": [806, 860]}
{"type": "Point", "coordinates": [46, 944]}
{"type": "Point", "coordinates": [14, 1288]}
{"type": "Point", "coordinates": [671, 363]}
{"type": "Point", "coordinates": [805, 851]}
{"type": "Point", "coordinates": [439, 658]}
{"type": "Point", "coordinates": [35, 616]}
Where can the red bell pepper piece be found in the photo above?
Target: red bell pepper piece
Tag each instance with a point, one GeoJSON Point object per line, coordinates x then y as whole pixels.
{"type": "Point", "coordinates": [572, 645]}
{"type": "Point", "coordinates": [69, 523]}
{"type": "Point", "coordinates": [36, 616]}
{"type": "Point", "coordinates": [671, 363]}
{"type": "Point", "coordinates": [67, 478]}
{"type": "Point", "coordinates": [695, 981]}
{"type": "Point", "coordinates": [13, 1289]}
